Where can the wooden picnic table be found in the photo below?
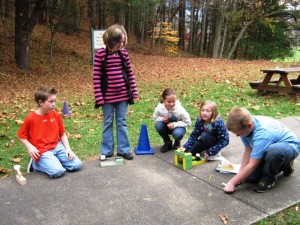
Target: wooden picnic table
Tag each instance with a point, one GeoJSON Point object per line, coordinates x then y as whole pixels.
{"type": "Point", "coordinates": [290, 86]}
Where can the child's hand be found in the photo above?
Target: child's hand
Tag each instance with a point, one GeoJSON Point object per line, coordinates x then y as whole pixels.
{"type": "Point", "coordinates": [166, 119]}
{"type": "Point", "coordinates": [170, 126]}
{"type": "Point", "coordinates": [70, 154]}
{"type": "Point", "coordinates": [229, 188]}
{"type": "Point", "coordinates": [206, 156]}
{"type": "Point", "coordinates": [182, 149]}
{"type": "Point", "coordinates": [34, 153]}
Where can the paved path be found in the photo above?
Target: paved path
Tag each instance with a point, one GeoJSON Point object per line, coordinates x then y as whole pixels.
{"type": "Point", "coordinates": [146, 190]}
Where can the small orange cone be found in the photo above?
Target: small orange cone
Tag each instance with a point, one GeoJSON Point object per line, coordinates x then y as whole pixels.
{"type": "Point", "coordinates": [144, 145]}
{"type": "Point", "coordinates": [66, 111]}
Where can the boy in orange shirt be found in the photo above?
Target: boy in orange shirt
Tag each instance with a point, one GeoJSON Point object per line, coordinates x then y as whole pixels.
{"type": "Point", "coordinates": [43, 134]}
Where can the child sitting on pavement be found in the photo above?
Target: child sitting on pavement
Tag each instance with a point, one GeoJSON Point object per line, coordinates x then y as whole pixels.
{"type": "Point", "coordinates": [43, 134]}
{"type": "Point", "coordinates": [270, 147]}
{"type": "Point", "coordinates": [209, 134]}
{"type": "Point", "coordinates": [170, 119]}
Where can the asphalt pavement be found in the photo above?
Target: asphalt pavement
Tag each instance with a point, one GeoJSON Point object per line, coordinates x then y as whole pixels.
{"type": "Point", "coordinates": [147, 190]}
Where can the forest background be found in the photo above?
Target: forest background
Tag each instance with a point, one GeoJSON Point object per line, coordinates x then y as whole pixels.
{"type": "Point", "coordinates": [204, 49]}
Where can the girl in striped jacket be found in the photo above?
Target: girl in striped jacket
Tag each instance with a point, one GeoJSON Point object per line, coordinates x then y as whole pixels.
{"type": "Point", "coordinates": [114, 97]}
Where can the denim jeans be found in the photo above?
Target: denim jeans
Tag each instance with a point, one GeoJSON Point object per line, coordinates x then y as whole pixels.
{"type": "Point", "coordinates": [107, 145]}
{"type": "Point", "coordinates": [55, 162]}
{"type": "Point", "coordinates": [164, 131]}
{"type": "Point", "coordinates": [276, 159]}
{"type": "Point", "coordinates": [205, 142]}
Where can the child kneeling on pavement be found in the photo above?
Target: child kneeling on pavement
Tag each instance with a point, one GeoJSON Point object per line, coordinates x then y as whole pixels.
{"type": "Point", "coordinates": [209, 134]}
{"type": "Point", "coordinates": [43, 134]}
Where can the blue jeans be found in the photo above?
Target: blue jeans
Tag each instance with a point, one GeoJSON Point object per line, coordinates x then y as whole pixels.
{"type": "Point", "coordinates": [276, 159]}
{"type": "Point", "coordinates": [107, 144]}
{"type": "Point", "coordinates": [206, 141]}
{"type": "Point", "coordinates": [55, 162]}
{"type": "Point", "coordinates": [164, 132]}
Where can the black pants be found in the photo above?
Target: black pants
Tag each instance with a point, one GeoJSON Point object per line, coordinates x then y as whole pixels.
{"type": "Point", "coordinates": [205, 142]}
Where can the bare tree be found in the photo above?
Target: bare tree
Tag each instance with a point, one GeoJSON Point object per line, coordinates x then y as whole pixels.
{"type": "Point", "coordinates": [219, 19]}
{"type": "Point", "coordinates": [181, 24]}
{"type": "Point", "coordinates": [24, 25]}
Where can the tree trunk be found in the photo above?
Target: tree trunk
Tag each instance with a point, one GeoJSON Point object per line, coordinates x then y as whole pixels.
{"type": "Point", "coordinates": [223, 40]}
{"type": "Point", "coordinates": [91, 13]}
{"type": "Point", "coordinates": [192, 32]}
{"type": "Point", "coordinates": [203, 30]}
{"type": "Point", "coordinates": [22, 35]}
{"type": "Point", "coordinates": [181, 24]}
{"type": "Point", "coordinates": [218, 29]}
{"type": "Point", "coordinates": [238, 38]}
{"type": "Point", "coordinates": [101, 16]}
{"type": "Point", "coordinates": [23, 28]}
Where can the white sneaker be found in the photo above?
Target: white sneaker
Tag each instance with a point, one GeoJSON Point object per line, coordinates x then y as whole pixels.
{"type": "Point", "coordinates": [30, 167]}
{"type": "Point", "coordinates": [215, 157]}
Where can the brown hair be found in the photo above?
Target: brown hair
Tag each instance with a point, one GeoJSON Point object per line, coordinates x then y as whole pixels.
{"type": "Point", "coordinates": [43, 93]}
{"type": "Point", "coordinates": [238, 119]}
{"type": "Point", "coordinates": [167, 92]}
{"type": "Point", "coordinates": [113, 35]}
{"type": "Point", "coordinates": [214, 108]}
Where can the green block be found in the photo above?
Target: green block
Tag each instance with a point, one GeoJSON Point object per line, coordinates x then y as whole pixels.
{"type": "Point", "coordinates": [113, 161]}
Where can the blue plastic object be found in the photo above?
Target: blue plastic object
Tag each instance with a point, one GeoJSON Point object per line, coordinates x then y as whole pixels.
{"type": "Point", "coordinates": [144, 147]}
{"type": "Point", "coordinates": [66, 111]}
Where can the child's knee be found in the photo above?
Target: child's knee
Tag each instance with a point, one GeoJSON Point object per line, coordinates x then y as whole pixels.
{"type": "Point", "coordinates": [160, 126]}
{"type": "Point", "coordinates": [58, 173]}
{"type": "Point", "coordinates": [75, 166]}
{"type": "Point", "coordinates": [177, 137]}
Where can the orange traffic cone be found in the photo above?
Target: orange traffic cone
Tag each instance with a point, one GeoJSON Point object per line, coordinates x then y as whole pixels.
{"type": "Point", "coordinates": [66, 111]}
{"type": "Point", "coordinates": [144, 145]}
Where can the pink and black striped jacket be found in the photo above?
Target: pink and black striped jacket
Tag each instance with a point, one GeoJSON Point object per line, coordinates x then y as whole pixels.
{"type": "Point", "coordinates": [116, 86]}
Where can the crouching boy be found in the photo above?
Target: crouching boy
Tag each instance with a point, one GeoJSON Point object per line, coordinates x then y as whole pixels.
{"type": "Point", "coordinates": [43, 134]}
{"type": "Point", "coordinates": [270, 148]}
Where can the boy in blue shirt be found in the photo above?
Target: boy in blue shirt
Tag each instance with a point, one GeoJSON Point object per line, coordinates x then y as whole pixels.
{"type": "Point", "coordinates": [270, 148]}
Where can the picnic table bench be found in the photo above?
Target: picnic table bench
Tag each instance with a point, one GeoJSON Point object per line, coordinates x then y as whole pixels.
{"type": "Point", "coordinates": [290, 86]}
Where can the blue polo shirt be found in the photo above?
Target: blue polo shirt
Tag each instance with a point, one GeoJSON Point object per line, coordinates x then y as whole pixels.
{"type": "Point", "coordinates": [268, 131]}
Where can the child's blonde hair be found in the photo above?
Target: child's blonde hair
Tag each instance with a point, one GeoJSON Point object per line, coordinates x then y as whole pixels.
{"type": "Point", "coordinates": [113, 35]}
{"type": "Point", "coordinates": [167, 92]}
{"type": "Point", "coordinates": [214, 108]}
{"type": "Point", "coordinates": [238, 119]}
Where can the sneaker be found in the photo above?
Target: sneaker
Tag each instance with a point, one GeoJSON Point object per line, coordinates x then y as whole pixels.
{"type": "Point", "coordinates": [176, 145]}
{"type": "Point", "coordinates": [127, 156]}
{"type": "Point", "coordinates": [104, 156]}
{"type": "Point", "coordinates": [263, 186]}
{"type": "Point", "coordinates": [166, 147]}
{"type": "Point", "coordinates": [30, 167]}
{"type": "Point", "coordinates": [289, 169]}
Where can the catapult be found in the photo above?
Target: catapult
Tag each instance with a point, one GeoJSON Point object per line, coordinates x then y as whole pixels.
{"type": "Point", "coordinates": [186, 161]}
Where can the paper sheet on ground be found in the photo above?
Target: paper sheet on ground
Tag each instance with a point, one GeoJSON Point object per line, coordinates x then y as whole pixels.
{"type": "Point", "coordinates": [225, 166]}
{"type": "Point", "coordinates": [230, 168]}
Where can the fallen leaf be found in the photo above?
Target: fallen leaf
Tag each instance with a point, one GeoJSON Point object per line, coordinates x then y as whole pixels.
{"type": "Point", "coordinates": [19, 122]}
{"type": "Point", "coordinates": [10, 144]}
{"type": "Point", "coordinates": [77, 136]}
{"type": "Point", "coordinates": [297, 208]}
{"type": "Point", "coordinates": [256, 107]}
{"type": "Point", "coordinates": [16, 159]}
{"type": "Point", "coordinates": [2, 170]}
{"type": "Point", "coordinates": [224, 218]}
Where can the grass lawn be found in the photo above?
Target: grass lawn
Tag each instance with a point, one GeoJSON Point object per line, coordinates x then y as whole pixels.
{"type": "Point", "coordinates": [195, 80]}
{"type": "Point", "coordinates": [295, 59]}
